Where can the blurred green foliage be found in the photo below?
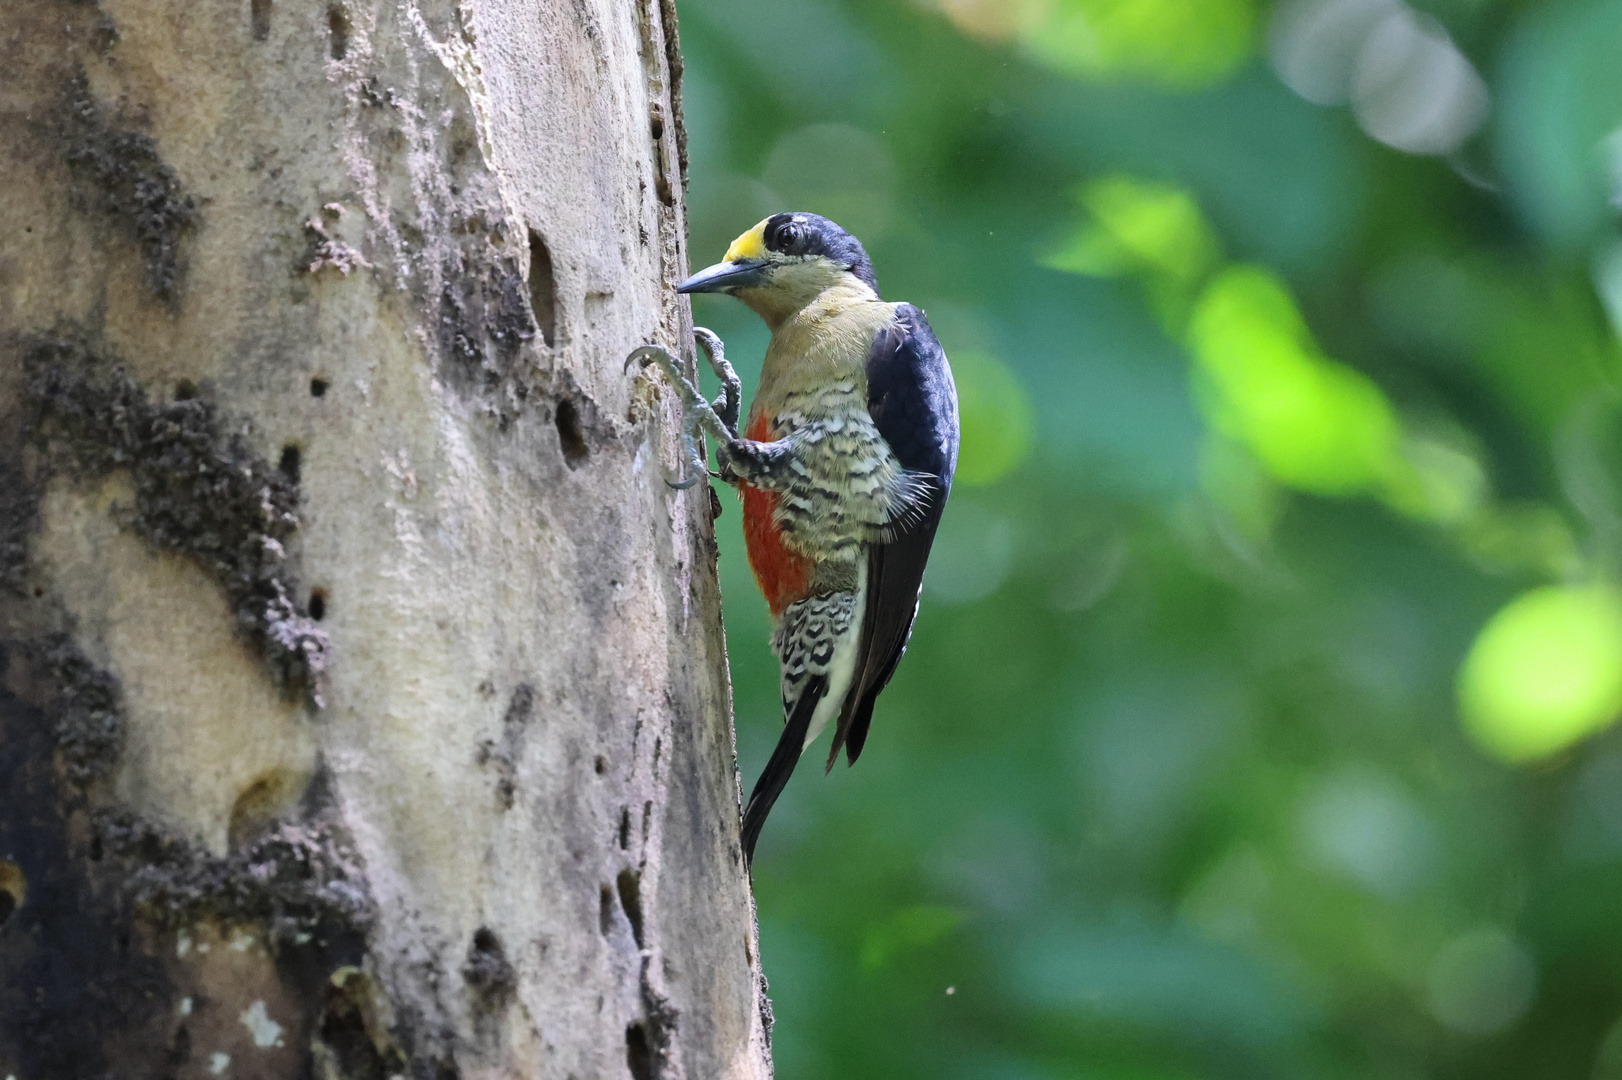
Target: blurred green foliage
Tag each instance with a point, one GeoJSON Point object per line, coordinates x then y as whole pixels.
{"type": "Point", "coordinates": [1259, 717]}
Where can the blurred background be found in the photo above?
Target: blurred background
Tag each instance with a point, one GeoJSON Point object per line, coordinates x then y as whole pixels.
{"type": "Point", "coordinates": [1257, 719]}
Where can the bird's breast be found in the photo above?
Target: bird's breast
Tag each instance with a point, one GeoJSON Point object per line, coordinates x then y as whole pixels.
{"type": "Point", "coordinates": [783, 574]}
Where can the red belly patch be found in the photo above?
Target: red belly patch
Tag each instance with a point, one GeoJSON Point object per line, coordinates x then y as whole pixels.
{"type": "Point", "coordinates": [784, 576]}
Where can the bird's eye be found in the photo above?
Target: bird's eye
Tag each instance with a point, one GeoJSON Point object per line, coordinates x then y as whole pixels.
{"type": "Point", "coordinates": [788, 235]}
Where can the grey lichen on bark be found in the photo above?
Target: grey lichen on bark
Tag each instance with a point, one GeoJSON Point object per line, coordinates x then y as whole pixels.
{"type": "Point", "coordinates": [363, 701]}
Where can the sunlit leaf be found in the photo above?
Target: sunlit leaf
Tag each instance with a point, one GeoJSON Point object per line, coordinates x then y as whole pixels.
{"type": "Point", "coordinates": [1545, 672]}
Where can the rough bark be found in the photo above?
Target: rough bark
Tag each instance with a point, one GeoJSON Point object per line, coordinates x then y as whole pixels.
{"type": "Point", "coordinates": [364, 709]}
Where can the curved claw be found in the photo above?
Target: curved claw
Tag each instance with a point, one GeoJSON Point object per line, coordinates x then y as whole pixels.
{"type": "Point", "coordinates": [697, 414]}
{"type": "Point", "coordinates": [728, 405]}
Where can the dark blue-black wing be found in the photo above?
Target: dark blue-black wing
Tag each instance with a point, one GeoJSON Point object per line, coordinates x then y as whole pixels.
{"type": "Point", "coordinates": [913, 402]}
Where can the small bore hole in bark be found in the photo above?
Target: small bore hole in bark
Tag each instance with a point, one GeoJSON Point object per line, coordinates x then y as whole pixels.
{"type": "Point", "coordinates": [13, 889]}
{"type": "Point", "coordinates": [639, 1052]}
{"type": "Point", "coordinates": [318, 387]}
{"type": "Point", "coordinates": [39, 591]}
{"type": "Point", "coordinates": [487, 970]}
{"type": "Point", "coordinates": [290, 462]}
{"type": "Point", "coordinates": [260, 805]}
{"type": "Point", "coordinates": [625, 828]}
{"type": "Point", "coordinates": [318, 604]}
{"type": "Point", "coordinates": [338, 32]}
{"type": "Point", "coordinates": [259, 16]}
{"type": "Point", "coordinates": [630, 889]}
{"type": "Point", "coordinates": [570, 436]}
{"type": "Point", "coordinates": [657, 125]}
{"type": "Point", "coordinates": [601, 765]}
{"type": "Point", "coordinates": [343, 1036]}
{"type": "Point", "coordinates": [543, 290]}
{"type": "Point", "coordinates": [185, 390]}
{"type": "Point", "coordinates": [605, 910]}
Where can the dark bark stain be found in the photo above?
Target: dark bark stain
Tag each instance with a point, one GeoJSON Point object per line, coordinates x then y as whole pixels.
{"type": "Point", "coordinates": [19, 519]}
{"type": "Point", "coordinates": [301, 881]}
{"type": "Point", "coordinates": [98, 895]}
{"type": "Point", "coordinates": [199, 491]}
{"type": "Point", "coordinates": [132, 184]}
{"type": "Point", "coordinates": [484, 318]}
{"type": "Point", "coordinates": [70, 980]}
{"type": "Point", "coordinates": [502, 755]}
{"type": "Point", "coordinates": [85, 718]}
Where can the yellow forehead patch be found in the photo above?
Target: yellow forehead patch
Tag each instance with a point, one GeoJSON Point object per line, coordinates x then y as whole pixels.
{"type": "Point", "coordinates": [751, 245]}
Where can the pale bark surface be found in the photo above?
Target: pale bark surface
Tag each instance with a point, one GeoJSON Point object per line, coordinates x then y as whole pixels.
{"type": "Point", "coordinates": [364, 708]}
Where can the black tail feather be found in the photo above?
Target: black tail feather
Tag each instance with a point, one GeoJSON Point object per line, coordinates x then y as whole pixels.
{"type": "Point", "coordinates": [781, 766]}
{"type": "Point", "coordinates": [857, 738]}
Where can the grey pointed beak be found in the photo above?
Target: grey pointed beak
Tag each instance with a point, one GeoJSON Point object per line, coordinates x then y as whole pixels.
{"type": "Point", "coordinates": [726, 276]}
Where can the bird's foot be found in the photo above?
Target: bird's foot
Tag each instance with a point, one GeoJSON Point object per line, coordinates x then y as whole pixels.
{"type": "Point", "coordinates": [720, 420]}
{"type": "Point", "coordinates": [728, 404]}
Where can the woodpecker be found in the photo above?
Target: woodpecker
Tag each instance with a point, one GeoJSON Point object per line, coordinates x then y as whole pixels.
{"type": "Point", "coordinates": [844, 468]}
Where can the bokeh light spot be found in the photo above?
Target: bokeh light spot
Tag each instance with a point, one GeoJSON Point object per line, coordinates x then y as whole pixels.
{"type": "Point", "coordinates": [1545, 672]}
{"type": "Point", "coordinates": [1409, 85]}
{"type": "Point", "coordinates": [1361, 824]}
{"type": "Point", "coordinates": [1314, 424]}
{"type": "Point", "coordinates": [989, 20]}
{"type": "Point", "coordinates": [1481, 982]}
{"type": "Point", "coordinates": [998, 419]}
{"type": "Point", "coordinates": [1176, 43]}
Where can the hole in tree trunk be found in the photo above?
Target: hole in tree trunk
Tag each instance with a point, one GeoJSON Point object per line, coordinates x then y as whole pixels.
{"type": "Point", "coordinates": [318, 604]}
{"type": "Point", "coordinates": [338, 32]}
{"type": "Point", "coordinates": [543, 293]}
{"type": "Point", "coordinates": [260, 805]}
{"type": "Point", "coordinates": [570, 437]}
{"type": "Point", "coordinates": [343, 1037]}
{"type": "Point", "coordinates": [13, 889]}
{"type": "Point", "coordinates": [260, 18]}
{"type": "Point", "coordinates": [638, 1053]}
{"type": "Point", "coordinates": [318, 387]}
{"type": "Point", "coordinates": [605, 910]}
{"type": "Point", "coordinates": [290, 462]}
{"type": "Point", "coordinates": [630, 887]}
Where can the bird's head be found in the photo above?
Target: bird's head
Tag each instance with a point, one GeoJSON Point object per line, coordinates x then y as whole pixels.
{"type": "Point", "coordinates": [786, 262]}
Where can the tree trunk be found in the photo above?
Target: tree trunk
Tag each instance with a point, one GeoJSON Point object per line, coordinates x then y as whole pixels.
{"type": "Point", "coordinates": [364, 706]}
